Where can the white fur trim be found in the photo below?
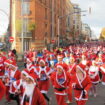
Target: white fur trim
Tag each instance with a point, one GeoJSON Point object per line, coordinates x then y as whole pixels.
{"type": "Point", "coordinates": [103, 83]}
{"type": "Point", "coordinates": [43, 91]}
{"type": "Point", "coordinates": [61, 93]}
{"type": "Point", "coordinates": [42, 61]}
{"type": "Point", "coordinates": [60, 67]}
{"type": "Point", "coordinates": [23, 72]}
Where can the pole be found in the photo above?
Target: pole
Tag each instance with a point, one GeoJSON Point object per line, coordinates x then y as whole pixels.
{"type": "Point", "coordinates": [22, 35]}
{"type": "Point", "coordinates": [58, 30]}
{"type": "Point", "coordinates": [52, 20]}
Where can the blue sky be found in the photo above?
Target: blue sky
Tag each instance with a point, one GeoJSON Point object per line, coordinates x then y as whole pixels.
{"type": "Point", "coordinates": [96, 19]}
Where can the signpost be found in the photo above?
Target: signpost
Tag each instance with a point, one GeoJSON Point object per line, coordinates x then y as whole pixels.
{"type": "Point", "coordinates": [11, 39]}
{"type": "Point", "coordinates": [52, 41]}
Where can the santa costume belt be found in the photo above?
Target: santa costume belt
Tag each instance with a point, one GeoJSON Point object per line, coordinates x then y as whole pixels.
{"type": "Point", "coordinates": [42, 80]}
{"type": "Point", "coordinates": [60, 89]}
{"type": "Point", "coordinates": [79, 88]}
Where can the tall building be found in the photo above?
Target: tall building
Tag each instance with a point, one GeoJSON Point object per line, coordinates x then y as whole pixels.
{"type": "Point", "coordinates": [34, 23]}
{"type": "Point", "coordinates": [69, 20]}
{"type": "Point", "coordinates": [77, 24]}
{"type": "Point", "coordinates": [86, 32]}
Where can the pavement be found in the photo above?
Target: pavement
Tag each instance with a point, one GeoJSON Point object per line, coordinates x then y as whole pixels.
{"type": "Point", "coordinates": [99, 100]}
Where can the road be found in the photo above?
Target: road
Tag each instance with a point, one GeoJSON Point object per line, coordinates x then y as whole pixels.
{"type": "Point", "coordinates": [99, 100]}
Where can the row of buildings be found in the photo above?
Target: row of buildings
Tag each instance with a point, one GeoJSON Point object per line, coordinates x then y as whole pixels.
{"type": "Point", "coordinates": [39, 23]}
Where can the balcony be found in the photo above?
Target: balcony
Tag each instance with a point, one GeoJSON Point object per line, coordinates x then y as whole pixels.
{"type": "Point", "coordinates": [25, 35]}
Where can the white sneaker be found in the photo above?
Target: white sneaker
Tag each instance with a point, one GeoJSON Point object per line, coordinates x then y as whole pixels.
{"type": "Point", "coordinates": [68, 102]}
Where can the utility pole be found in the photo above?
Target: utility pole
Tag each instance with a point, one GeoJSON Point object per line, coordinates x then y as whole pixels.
{"type": "Point", "coordinates": [52, 36]}
{"type": "Point", "coordinates": [22, 32]}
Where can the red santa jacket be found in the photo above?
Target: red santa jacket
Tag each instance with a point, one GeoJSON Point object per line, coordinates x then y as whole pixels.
{"type": "Point", "coordinates": [1, 67]}
{"type": "Point", "coordinates": [94, 74]}
{"type": "Point", "coordinates": [19, 86]}
{"type": "Point", "coordinates": [14, 76]}
{"type": "Point", "coordinates": [60, 83]}
{"type": "Point", "coordinates": [72, 69]}
{"type": "Point", "coordinates": [30, 68]}
{"type": "Point", "coordinates": [2, 90]}
{"type": "Point", "coordinates": [36, 99]}
{"type": "Point", "coordinates": [81, 86]}
{"type": "Point", "coordinates": [43, 73]}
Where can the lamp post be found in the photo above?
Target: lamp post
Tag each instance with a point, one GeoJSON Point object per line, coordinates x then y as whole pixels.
{"type": "Point", "coordinates": [60, 17]}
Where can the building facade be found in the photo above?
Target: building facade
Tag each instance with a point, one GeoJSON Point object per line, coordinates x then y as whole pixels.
{"type": "Point", "coordinates": [34, 23]}
{"type": "Point", "coordinates": [86, 32]}
{"type": "Point", "coordinates": [77, 23]}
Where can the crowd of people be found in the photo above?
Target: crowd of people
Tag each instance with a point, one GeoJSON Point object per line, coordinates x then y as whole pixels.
{"type": "Point", "coordinates": [76, 68]}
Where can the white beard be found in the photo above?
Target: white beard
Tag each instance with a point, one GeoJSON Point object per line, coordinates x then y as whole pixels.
{"type": "Point", "coordinates": [29, 88]}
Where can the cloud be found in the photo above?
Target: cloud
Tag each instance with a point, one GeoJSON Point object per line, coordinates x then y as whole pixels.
{"type": "Point", "coordinates": [96, 19]}
{"type": "Point", "coordinates": [4, 19]}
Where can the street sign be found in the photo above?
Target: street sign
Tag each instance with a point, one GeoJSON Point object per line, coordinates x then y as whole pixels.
{"type": "Point", "coordinates": [52, 41]}
{"type": "Point", "coordinates": [11, 39]}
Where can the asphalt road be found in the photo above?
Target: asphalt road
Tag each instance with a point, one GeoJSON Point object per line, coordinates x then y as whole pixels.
{"type": "Point", "coordinates": [99, 100]}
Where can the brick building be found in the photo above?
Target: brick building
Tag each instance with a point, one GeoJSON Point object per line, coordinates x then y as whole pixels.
{"type": "Point", "coordinates": [34, 23]}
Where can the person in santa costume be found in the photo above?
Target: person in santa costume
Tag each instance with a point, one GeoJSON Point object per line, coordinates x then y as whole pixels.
{"type": "Point", "coordinates": [30, 67]}
{"type": "Point", "coordinates": [99, 59]}
{"type": "Point", "coordinates": [20, 84]}
{"type": "Point", "coordinates": [71, 72]}
{"type": "Point", "coordinates": [60, 81]}
{"type": "Point", "coordinates": [81, 84]}
{"type": "Point", "coordinates": [2, 90]}
{"type": "Point", "coordinates": [102, 70]}
{"type": "Point", "coordinates": [32, 95]}
{"type": "Point", "coordinates": [66, 59]}
{"type": "Point", "coordinates": [7, 78]}
{"type": "Point", "coordinates": [60, 61]}
{"type": "Point", "coordinates": [43, 73]}
{"type": "Point", "coordinates": [15, 75]}
{"type": "Point", "coordinates": [94, 76]}
{"type": "Point", "coordinates": [1, 65]}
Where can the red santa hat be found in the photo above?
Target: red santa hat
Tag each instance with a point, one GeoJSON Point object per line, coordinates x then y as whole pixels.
{"type": "Point", "coordinates": [42, 60]}
{"type": "Point", "coordinates": [7, 62]}
{"type": "Point", "coordinates": [32, 76]}
{"type": "Point", "coordinates": [26, 72]}
{"type": "Point", "coordinates": [29, 60]}
{"type": "Point", "coordinates": [11, 54]}
{"type": "Point", "coordinates": [60, 56]}
{"type": "Point", "coordinates": [13, 63]}
{"type": "Point", "coordinates": [60, 66]}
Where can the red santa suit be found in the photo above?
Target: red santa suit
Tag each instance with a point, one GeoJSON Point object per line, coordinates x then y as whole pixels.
{"type": "Point", "coordinates": [14, 76]}
{"type": "Point", "coordinates": [60, 84]}
{"type": "Point", "coordinates": [2, 90]}
{"type": "Point", "coordinates": [19, 85]}
{"type": "Point", "coordinates": [71, 72]}
{"type": "Point", "coordinates": [30, 67]}
{"type": "Point", "coordinates": [102, 69]}
{"type": "Point", "coordinates": [43, 81]}
{"type": "Point", "coordinates": [1, 67]}
{"type": "Point", "coordinates": [81, 87]}
{"type": "Point", "coordinates": [7, 77]}
{"type": "Point", "coordinates": [36, 98]}
{"type": "Point", "coordinates": [94, 74]}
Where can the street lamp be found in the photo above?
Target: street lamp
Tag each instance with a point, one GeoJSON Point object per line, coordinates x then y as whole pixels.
{"type": "Point", "coordinates": [60, 17]}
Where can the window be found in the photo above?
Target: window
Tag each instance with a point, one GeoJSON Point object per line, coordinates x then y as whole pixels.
{"type": "Point", "coordinates": [25, 24]}
{"type": "Point", "coordinates": [45, 13]}
{"type": "Point", "coordinates": [25, 8]}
